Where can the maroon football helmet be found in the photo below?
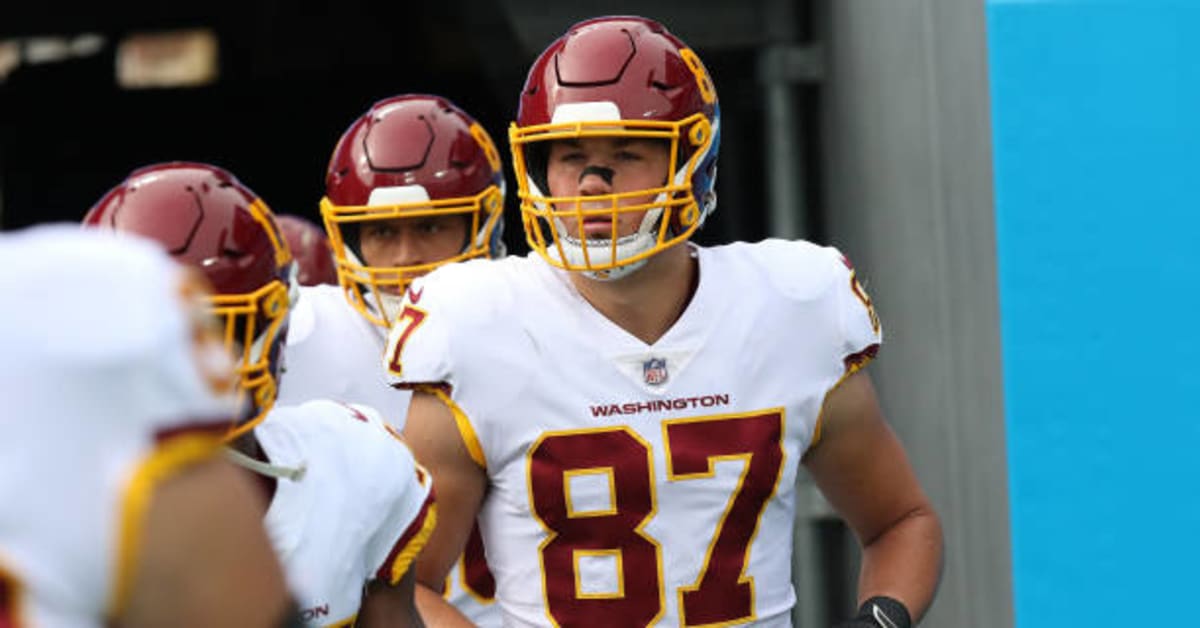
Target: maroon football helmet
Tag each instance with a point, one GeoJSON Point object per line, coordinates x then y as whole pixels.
{"type": "Point", "coordinates": [408, 156]}
{"type": "Point", "coordinates": [311, 249]}
{"type": "Point", "coordinates": [209, 221]}
{"type": "Point", "coordinates": [627, 77]}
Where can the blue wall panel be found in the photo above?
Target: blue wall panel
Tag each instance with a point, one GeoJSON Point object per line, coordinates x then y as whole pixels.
{"type": "Point", "coordinates": [1096, 133]}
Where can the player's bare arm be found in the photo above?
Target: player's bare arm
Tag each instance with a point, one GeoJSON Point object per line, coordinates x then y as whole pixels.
{"type": "Point", "coordinates": [196, 569]}
{"type": "Point", "coordinates": [390, 606]}
{"type": "Point", "coordinates": [860, 466]}
{"type": "Point", "coordinates": [433, 435]}
{"type": "Point", "coordinates": [436, 610]}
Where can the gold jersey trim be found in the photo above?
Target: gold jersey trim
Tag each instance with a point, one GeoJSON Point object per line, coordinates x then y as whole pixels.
{"type": "Point", "coordinates": [165, 461]}
{"type": "Point", "coordinates": [465, 429]}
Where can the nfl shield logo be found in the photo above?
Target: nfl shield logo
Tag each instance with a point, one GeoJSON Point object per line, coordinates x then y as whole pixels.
{"type": "Point", "coordinates": [655, 371]}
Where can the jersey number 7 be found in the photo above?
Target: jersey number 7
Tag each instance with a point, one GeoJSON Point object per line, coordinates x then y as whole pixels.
{"type": "Point", "coordinates": [721, 593]}
{"type": "Point", "coordinates": [409, 320]}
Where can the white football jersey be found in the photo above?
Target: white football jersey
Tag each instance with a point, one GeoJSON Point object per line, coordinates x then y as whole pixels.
{"type": "Point", "coordinates": [360, 509]}
{"type": "Point", "coordinates": [105, 397]}
{"type": "Point", "coordinates": [634, 484]}
{"type": "Point", "coordinates": [335, 353]}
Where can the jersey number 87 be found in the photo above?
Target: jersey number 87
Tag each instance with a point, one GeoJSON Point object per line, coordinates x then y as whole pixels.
{"type": "Point", "coordinates": [721, 593]}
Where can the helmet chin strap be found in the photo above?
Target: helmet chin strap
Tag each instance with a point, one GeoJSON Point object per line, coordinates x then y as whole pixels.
{"type": "Point", "coordinates": [601, 251]}
{"type": "Point", "coordinates": [619, 272]}
{"type": "Point", "coordinates": [265, 468]}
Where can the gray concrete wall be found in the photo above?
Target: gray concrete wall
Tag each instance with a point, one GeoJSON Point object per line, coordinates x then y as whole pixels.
{"type": "Point", "coordinates": [908, 196]}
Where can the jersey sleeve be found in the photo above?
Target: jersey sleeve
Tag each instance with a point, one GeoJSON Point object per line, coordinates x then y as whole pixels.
{"type": "Point", "coordinates": [457, 335]}
{"type": "Point", "coordinates": [401, 501]}
{"type": "Point", "coordinates": [821, 278]}
{"type": "Point", "coordinates": [857, 331]}
{"type": "Point", "coordinates": [418, 348]}
{"type": "Point", "coordinates": [819, 289]}
{"type": "Point", "coordinates": [861, 331]}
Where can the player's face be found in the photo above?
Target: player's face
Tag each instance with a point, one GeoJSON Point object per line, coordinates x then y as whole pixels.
{"type": "Point", "coordinates": [593, 166]}
{"type": "Point", "coordinates": [412, 241]}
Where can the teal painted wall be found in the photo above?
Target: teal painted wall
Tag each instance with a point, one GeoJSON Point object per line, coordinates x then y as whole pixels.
{"type": "Point", "coordinates": [1096, 139]}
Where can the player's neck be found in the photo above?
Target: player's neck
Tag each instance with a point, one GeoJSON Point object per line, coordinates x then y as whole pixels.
{"type": "Point", "coordinates": [648, 302]}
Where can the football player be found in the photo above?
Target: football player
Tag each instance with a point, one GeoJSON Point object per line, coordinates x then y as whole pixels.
{"type": "Point", "coordinates": [414, 183]}
{"type": "Point", "coordinates": [347, 508]}
{"type": "Point", "coordinates": [311, 249]}
{"type": "Point", "coordinates": [115, 387]}
{"type": "Point", "coordinates": [625, 411]}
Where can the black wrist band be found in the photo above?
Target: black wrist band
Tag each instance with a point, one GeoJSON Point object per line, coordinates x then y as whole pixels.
{"type": "Point", "coordinates": [885, 612]}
